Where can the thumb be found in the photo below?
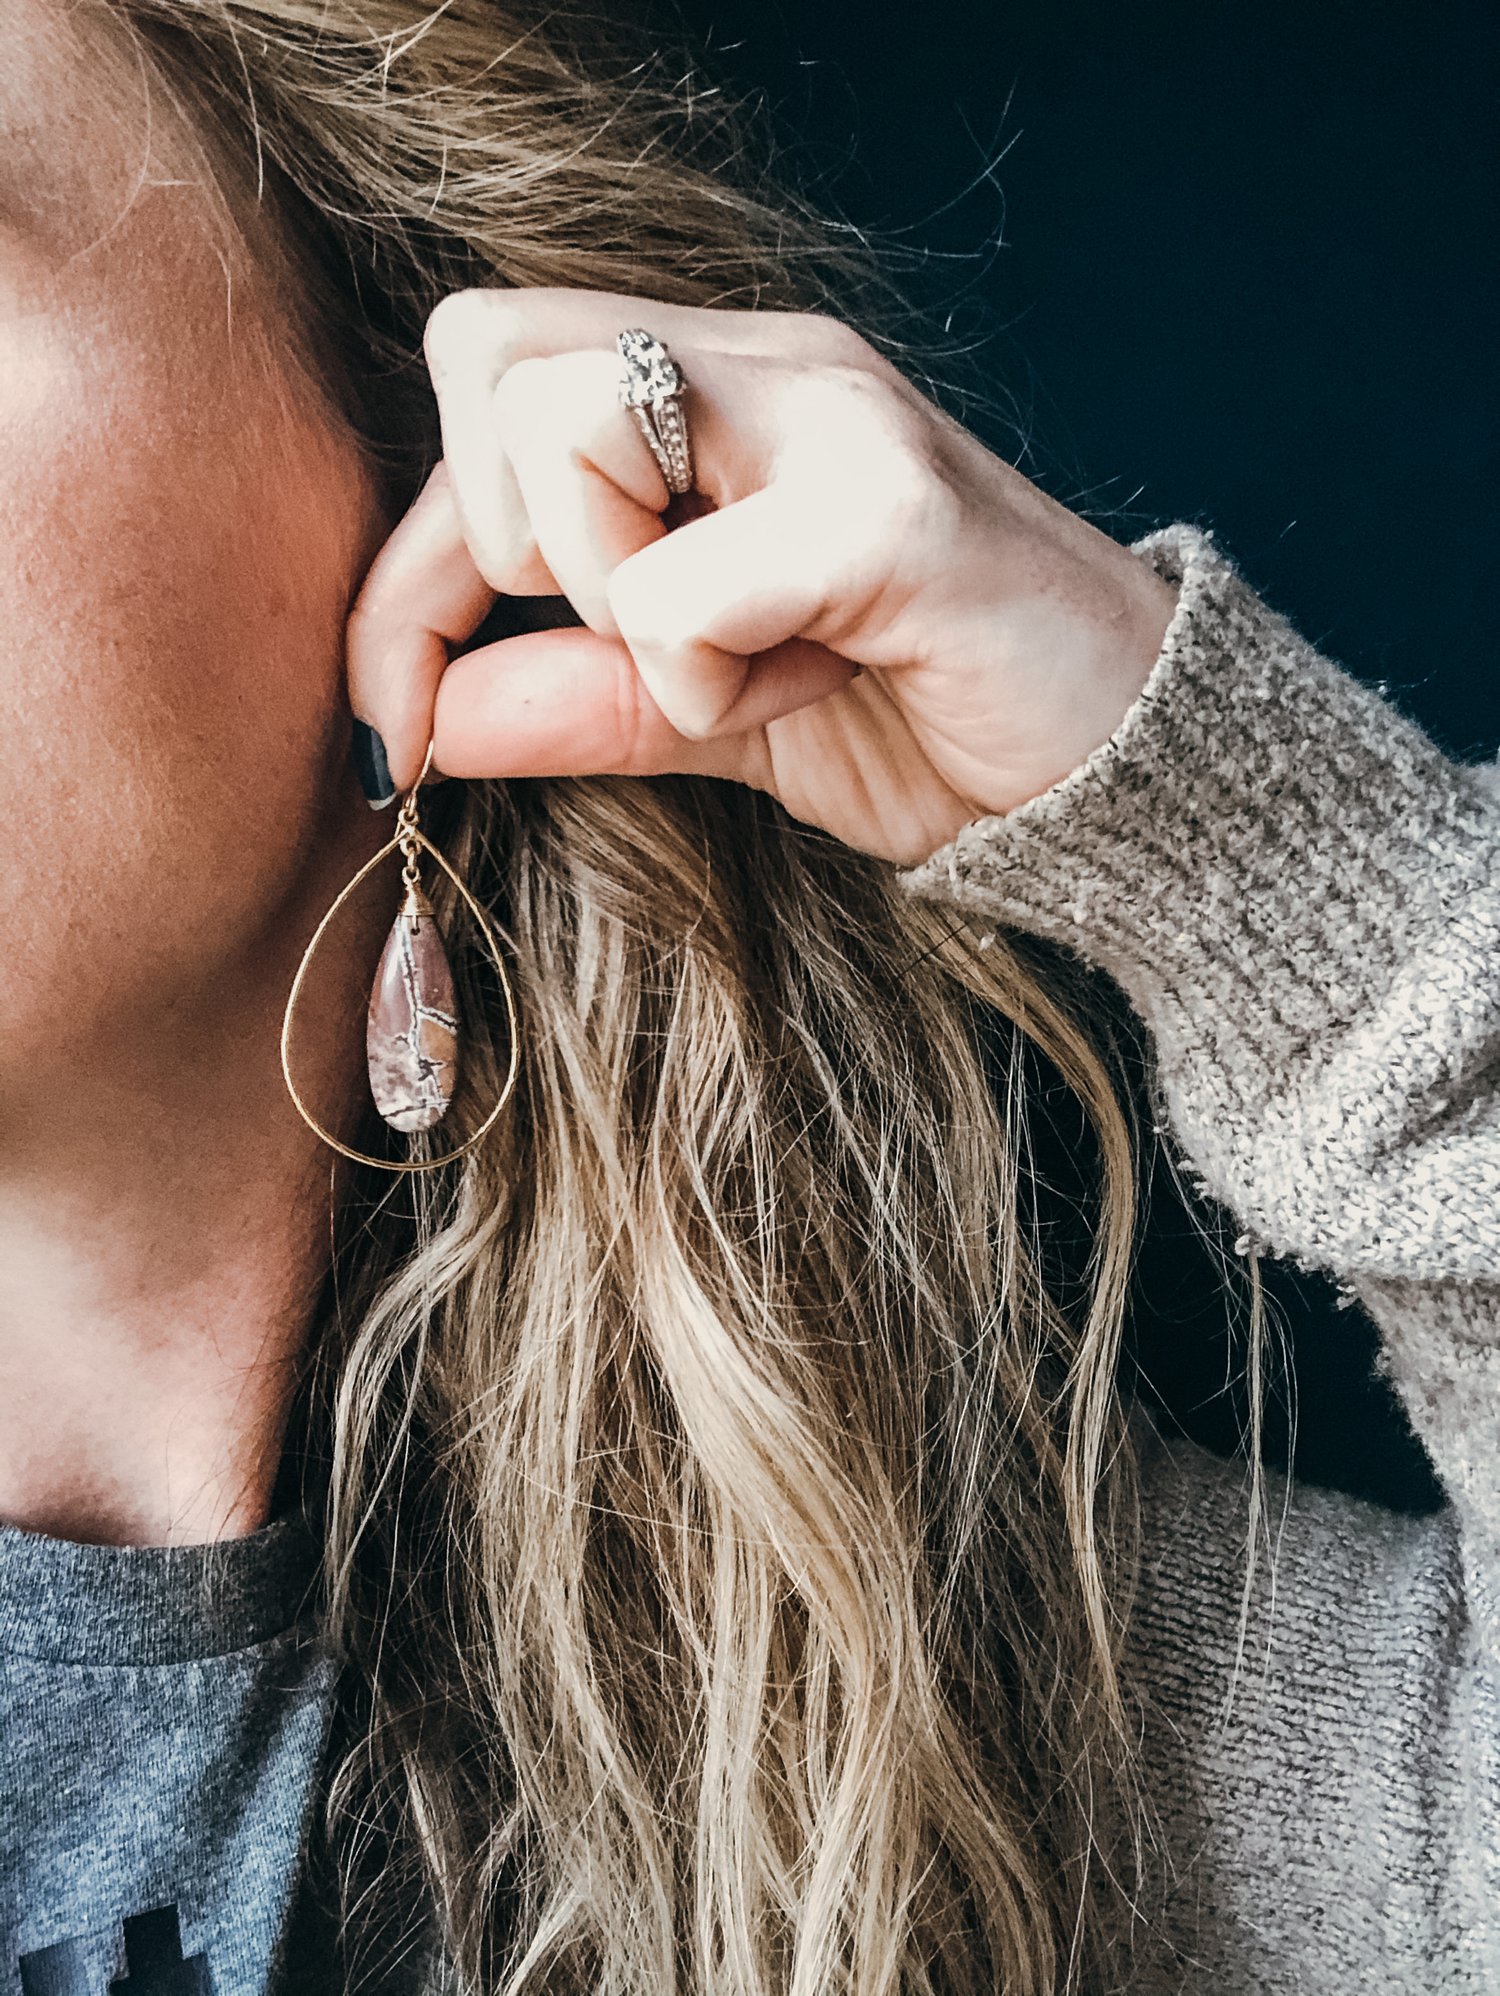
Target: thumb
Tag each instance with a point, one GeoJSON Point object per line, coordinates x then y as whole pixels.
{"type": "Point", "coordinates": [573, 703]}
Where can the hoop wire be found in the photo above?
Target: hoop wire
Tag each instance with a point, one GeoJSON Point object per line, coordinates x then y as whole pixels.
{"type": "Point", "coordinates": [408, 834]}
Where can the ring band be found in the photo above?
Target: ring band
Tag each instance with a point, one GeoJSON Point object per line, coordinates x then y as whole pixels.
{"type": "Point", "coordinates": [651, 388]}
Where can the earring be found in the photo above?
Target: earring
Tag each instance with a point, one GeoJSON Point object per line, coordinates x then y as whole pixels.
{"type": "Point", "coordinates": [413, 1035]}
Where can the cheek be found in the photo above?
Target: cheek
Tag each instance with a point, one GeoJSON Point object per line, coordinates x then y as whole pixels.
{"type": "Point", "coordinates": [177, 569]}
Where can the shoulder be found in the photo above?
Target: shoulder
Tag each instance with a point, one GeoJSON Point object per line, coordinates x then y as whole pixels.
{"type": "Point", "coordinates": [1320, 1761]}
{"type": "Point", "coordinates": [1341, 1587]}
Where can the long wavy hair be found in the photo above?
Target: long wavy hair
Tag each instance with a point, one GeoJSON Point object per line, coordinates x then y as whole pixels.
{"type": "Point", "coordinates": [730, 1521]}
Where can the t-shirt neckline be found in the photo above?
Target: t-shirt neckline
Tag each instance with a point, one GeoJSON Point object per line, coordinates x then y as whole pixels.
{"type": "Point", "coordinates": [66, 1601]}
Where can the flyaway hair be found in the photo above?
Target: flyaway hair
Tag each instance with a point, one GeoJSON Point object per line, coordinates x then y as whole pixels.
{"type": "Point", "coordinates": [730, 1522]}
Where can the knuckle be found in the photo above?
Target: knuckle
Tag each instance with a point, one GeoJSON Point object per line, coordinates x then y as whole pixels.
{"type": "Point", "coordinates": [631, 714]}
{"type": "Point", "coordinates": [517, 571]}
{"type": "Point", "coordinates": [626, 592]}
{"type": "Point", "coordinates": [878, 445]}
{"type": "Point", "coordinates": [871, 400]}
{"type": "Point", "coordinates": [898, 481]}
{"type": "Point", "coordinates": [886, 423]}
{"type": "Point", "coordinates": [643, 612]}
{"type": "Point", "coordinates": [839, 340]}
{"type": "Point", "coordinates": [453, 322]}
{"type": "Point", "coordinates": [914, 493]}
{"type": "Point", "coordinates": [364, 624]}
{"type": "Point", "coordinates": [519, 386]}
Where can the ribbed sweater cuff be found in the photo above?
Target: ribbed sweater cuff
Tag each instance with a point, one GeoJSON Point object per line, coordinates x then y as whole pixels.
{"type": "Point", "coordinates": [1256, 848]}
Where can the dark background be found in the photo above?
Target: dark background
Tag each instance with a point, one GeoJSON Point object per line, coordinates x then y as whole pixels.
{"type": "Point", "coordinates": [1233, 264]}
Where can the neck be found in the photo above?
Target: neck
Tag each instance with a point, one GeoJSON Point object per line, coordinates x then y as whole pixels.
{"type": "Point", "coordinates": [164, 1238]}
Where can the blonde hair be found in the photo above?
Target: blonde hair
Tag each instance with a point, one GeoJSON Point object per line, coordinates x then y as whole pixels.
{"type": "Point", "coordinates": [730, 1528]}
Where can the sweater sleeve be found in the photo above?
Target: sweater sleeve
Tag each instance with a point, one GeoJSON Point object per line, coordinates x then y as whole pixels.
{"type": "Point", "coordinates": [1300, 895]}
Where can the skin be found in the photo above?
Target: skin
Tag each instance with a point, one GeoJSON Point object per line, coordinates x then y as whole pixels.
{"type": "Point", "coordinates": [181, 544]}
{"type": "Point", "coordinates": [903, 635]}
{"type": "Point", "coordinates": [840, 521]}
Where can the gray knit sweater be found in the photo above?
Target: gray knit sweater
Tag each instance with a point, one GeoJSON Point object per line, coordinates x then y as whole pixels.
{"type": "Point", "coordinates": [1301, 897]}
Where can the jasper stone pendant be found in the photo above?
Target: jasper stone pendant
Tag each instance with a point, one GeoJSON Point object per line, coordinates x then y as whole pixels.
{"type": "Point", "coordinates": [412, 1034]}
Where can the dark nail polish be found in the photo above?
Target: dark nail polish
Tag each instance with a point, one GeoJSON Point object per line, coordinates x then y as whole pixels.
{"type": "Point", "coordinates": [371, 766]}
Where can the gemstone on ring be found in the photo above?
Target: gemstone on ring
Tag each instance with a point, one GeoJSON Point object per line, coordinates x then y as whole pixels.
{"type": "Point", "coordinates": [650, 370]}
{"type": "Point", "coordinates": [651, 390]}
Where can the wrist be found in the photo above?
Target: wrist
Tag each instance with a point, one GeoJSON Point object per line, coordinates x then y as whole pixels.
{"type": "Point", "coordinates": [1101, 658]}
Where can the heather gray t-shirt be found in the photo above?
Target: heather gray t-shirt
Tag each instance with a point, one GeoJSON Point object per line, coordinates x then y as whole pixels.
{"type": "Point", "coordinates": [163, 1715]}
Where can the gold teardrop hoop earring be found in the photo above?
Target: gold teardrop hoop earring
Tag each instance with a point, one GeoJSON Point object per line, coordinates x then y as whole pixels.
{"type": "Point", "coordinates": [413, 1035]}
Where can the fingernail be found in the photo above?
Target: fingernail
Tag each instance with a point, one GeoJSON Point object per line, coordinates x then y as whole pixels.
{"type": "Point", "coordinates": [371, 766]}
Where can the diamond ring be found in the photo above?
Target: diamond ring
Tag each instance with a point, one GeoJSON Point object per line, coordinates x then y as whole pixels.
{"type": "Point", "coordinates": [651, 388]}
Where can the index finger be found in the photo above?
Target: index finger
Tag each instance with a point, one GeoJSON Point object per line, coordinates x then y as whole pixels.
{"type": "Point", "coordinates": [421, 593]}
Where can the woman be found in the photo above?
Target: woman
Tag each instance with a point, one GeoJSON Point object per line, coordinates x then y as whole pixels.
{"type": "Point", "coordinates": [691, 1541]}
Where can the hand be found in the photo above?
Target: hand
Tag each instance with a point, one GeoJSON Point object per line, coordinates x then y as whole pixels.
{"type": "Point", "coordinates": [867, 613]}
